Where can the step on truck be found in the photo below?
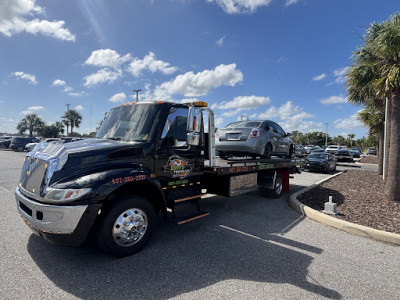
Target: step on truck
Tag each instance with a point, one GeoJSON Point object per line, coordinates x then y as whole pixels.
{"type": "Point", "coordinates": [147, 158]}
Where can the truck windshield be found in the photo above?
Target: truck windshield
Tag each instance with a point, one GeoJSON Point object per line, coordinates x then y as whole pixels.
{"type": "Point", "coordinates": [132, 123]}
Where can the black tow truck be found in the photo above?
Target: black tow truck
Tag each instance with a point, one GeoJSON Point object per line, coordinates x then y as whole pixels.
{"type": "Point", "coordinates": [148, 157]}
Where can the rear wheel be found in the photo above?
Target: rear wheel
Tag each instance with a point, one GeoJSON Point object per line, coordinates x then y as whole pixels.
{"type": "Point", "coordinates": [20, 149]}
{"type": "Point", "coordinates": [126, 226]}
{"type": "Point", "coordinates": [267, 151]}
{"type": "Point", "coordinates": [275, 192]}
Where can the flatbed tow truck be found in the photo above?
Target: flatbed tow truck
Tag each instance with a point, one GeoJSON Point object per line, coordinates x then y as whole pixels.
{"type": "Point", "coordinates": [148, 157]}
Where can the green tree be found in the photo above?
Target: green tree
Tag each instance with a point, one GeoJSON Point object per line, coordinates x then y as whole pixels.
{"type": "Point", "coordinates": [351, 136]}
{"type": "Point", "coordinates": [32, 123]}
{"type": "Point", "coordinates": [53, 130]}
{"type": "Point", "coordinates": [379, 57]}
{"type": "Point", "coordinates": [72, 118]}
{"type": "Point", "coordinates": [374, 117]}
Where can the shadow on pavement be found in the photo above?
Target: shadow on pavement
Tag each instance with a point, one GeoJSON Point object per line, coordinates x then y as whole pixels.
{"type": "Point", "coordinates": [241, 240]}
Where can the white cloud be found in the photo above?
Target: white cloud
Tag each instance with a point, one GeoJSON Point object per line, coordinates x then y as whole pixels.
{"type": "Point", "coordinates": [107, 58]}
{"type": "Point", "coordinates": [292, 118]}
{"type": "Point", "coordinates": [193, 85]}
{"type": "Point", "coordinates": [151, 63]}
{"type": "Point", "coordinates": [32, 109]}
{"type": "Point", "coordinates": [79, 108]}
{"type": "Point", "coordinates": [333, 100]}
{"type": "Point", "coordinates": [76, 94]}
{"type": "Point", "coordinates": [31, 78]}
{"type": "Point", "coordinates": [340, 74]}
{"type": "Point", "coordinates": [350, 123]}
{"type": "Point", "coordinates": [218, 121]}
{"type": "Point", "coordinates": [319, 77]}
{"type": "Point", "coordinates": [244, 102]}
{"type": "Point", "coordinates": [220, 42]}
{"type": "Point", "coordinates": [16, 16]}
{"type": "Point", "coordinates": [103, 75]}
{"type": "Point", "coordinates": [240, 6]}
{"type": "Point", "coordinates": [290, 2]}
{"type": "Point", "coordinates": [121, 97]}
{"type": "Point", "coordinates": [59, 82]}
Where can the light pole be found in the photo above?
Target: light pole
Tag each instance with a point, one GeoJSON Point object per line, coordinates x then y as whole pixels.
{"type": "Point", "coordinates": [326, 135]}
{"type": "Point", "coordinates": [137, 94]}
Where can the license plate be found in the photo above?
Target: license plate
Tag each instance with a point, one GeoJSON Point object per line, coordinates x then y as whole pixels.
{"type": "Point", "coordinates": [233, 136]}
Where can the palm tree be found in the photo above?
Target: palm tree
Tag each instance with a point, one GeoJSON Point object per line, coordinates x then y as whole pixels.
{"type": "Point", "coordinates": [373, 117]}
{"type": "Point", "coordinates": [376, 64]}
{"type": "Point", "coordinates": [72, 118]}
{"type": "Point", "coordinates": [351, 137]}
{"type": "Point", "coordinates": [32, 123]}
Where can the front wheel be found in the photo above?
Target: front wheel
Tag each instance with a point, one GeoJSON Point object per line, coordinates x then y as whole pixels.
{"type": "Point", "coordinates": [126, 226]}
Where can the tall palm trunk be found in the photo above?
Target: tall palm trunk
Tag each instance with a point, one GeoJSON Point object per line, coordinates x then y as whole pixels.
{"type": "Point", "coordinates": [380, 151]}
{"type": "Point", "coordinates": [392, 176]}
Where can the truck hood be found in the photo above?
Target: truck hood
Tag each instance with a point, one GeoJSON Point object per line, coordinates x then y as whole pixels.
{"type": "Point", "coordinates": [89, 151]}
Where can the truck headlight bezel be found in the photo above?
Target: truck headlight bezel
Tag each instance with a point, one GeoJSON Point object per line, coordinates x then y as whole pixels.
{"type": "Point", "coordinates": [65, 195]}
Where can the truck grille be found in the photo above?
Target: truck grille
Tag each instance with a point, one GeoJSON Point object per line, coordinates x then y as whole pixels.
{"type": "Point", "coordinates": [32, 175]}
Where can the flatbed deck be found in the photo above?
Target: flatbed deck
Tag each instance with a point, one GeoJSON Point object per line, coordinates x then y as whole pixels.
{"type": "Point", "coordinates": [242, 166]}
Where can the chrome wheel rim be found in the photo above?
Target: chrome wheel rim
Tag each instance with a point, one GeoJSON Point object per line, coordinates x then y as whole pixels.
{"type": "Point", "coordinates": [278, 186]}
{"type": "Point", "coordinates": [130, 227]}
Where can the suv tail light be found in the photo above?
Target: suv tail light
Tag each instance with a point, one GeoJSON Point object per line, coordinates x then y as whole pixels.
{"type": "Point", "coordinates": [255, 133]}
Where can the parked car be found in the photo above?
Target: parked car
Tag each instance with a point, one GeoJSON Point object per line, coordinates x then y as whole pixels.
{"type": "Point", "coordinates": [317, 150]}
{"type": "Point", "coordinates": [344, 155]}
{"type": "Point", "coordinates": [371, 151]}
{"type": "Point", "coordinates": [5, 143]}
{"type": "Point", "coordinates": [323, 162]}
{"type": "Point", "coordinates": [356, 153]}
{"type": "Point", "coordinates": [30, 146]}
{"type": "Point", "coordinates": [18, 143]}
{"type": "Point", "coordinates": [300, 151]}
{"type": "Point", "coordinates": [333, 148]}
{"type": "Point", "coordinates": [253, 138]}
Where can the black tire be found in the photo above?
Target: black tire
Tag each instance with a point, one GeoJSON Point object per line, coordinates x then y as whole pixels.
{"type": "Point", "coordinates": [290, 154]}
{"type": "Point", "coordinates": [277, 191]}
{"type": "Point", "coordinates": [126, 226]}
{"type": "Point", "coordinates": [20, 149]}
{"type": "Point", "coordinates": [267, 151]}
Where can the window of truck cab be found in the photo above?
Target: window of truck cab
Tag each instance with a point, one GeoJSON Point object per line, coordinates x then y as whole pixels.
{"type": "Point", "coordinates": [131, 123]}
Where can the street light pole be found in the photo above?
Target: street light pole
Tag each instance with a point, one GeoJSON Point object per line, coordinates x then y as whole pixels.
{"type": "Point", "coordinates": [137, 94]}
{"type": "Point", "coordinates": [326, 135]}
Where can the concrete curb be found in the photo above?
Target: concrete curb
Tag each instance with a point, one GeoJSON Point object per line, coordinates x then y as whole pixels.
{"type": "Point", "coordinates": [359, 230]}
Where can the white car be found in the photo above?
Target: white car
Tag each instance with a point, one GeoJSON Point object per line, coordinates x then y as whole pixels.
{"type": "Point", "coordinates": [29, 147]}
{"type": "Point", "coordinates": [333, 148]}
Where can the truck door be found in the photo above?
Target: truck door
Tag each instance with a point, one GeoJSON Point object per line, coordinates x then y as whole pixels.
{"type": "Point", "coordinates": [177, 163]}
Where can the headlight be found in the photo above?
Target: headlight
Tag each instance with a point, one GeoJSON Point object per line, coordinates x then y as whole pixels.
{"type": "Point", "coordinates": [65, 195]}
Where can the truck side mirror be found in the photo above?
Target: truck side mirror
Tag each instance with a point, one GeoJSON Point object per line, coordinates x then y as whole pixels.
{"type": "Point", "coordinates": [194, 120]}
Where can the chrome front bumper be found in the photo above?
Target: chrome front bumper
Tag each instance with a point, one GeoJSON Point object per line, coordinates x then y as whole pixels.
{"type": "Point", "coordinates": [49, 218]}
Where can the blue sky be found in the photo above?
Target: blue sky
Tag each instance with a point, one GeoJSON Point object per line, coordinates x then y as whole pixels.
{"type": "Point", "coordinates": [259, 59]}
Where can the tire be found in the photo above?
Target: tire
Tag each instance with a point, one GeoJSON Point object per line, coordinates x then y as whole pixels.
{"type": "Point", "coordinates": [290, 154]}
{"type": "Point", "coordinates": [267, 151]}
{"type": "Point", "coordinates": [126, 226]}
{"type": "Point", "coordinates": [20, 149]}
{"type": "Point", "coordinates": [277, 191]}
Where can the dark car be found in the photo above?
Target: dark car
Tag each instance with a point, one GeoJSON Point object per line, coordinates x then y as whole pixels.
{"type": "Point", "coordinates": [322, 162]}
{"type": "Point", "coordinates": [5, 143]}
{"type": "Point", "coordinates": [253, 138]}
{"type": "Point", "coordinates": [344, 155]}
{"type": "Point", "coordinates": [18, 143]}
{"type": "Point", "coordinates": [356, 152]}
{"type": "Point", "coordinates": [371, 151]}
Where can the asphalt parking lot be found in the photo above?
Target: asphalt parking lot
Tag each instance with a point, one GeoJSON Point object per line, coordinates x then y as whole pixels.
{"type": "Point", "coordinates": [249, 247]}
